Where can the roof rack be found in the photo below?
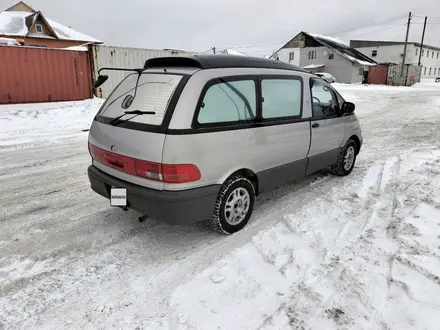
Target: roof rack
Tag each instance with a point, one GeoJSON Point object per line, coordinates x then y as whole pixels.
{"type": "Point", "coordinates": [218, 61]}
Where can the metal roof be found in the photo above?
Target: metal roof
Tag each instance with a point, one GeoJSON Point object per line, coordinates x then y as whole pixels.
{"type": "Point", "coordinates": [219, 61]}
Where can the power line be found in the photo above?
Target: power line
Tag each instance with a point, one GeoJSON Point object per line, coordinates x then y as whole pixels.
{"type": "Point", "coordinates": [388, 28]}
{"type": "Point", "coordinates": [389, 20]}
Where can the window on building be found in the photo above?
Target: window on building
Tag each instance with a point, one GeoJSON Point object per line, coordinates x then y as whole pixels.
{"type": "Point", "coordinates": [432, 54]}
{"type": "Point", "coordinates": [291, 56]}
{"type": "Point", "coordinates": [437, 54]}
{"type": "Point", "coordinates": [281, 98]}
{"type": "Point", "coordinates": [435, 71]}
{"type": "Point", "coordinates": [417, 51]}
{"type": "Point", "coordinates": [430, 69]}
{"type": "Point", "coordinates": [39, 28]}
{"type": "Point", "coordinates": [423, 52]}
{"type": "Point", "coordinates": [331, 56]}
{"type": "Point", "coordinates": [427, 53]}
{"type": "Point", "coordinates": [424, 73]}
{"type": "Point", "coordinates": [231, 101]}
{"type": "Point", "coordinates": [361, 71]}
{"type": "Point", "coordinates": [374, 53]}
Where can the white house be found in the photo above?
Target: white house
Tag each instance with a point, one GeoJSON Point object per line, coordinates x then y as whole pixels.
{"type": "Point", "coordinates": [319, 53]}
{"type": "Point", "coordinates": [392, 51]}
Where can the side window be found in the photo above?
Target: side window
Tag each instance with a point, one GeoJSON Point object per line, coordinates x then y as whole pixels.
{"type": "Point", "coordinates": [281, 98]}
{"type": "Point", "coordinates": [324, 102]}
{"type": "Point", "coordinates": [228, 101]}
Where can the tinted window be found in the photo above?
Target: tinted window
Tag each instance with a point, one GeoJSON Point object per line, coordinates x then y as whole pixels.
{"type": "Point", "coordinates": [281, 98]}
{"type": "Point", "coordinates": [228, 102]}
{"type": "Point", "coordinates": [324, 100]}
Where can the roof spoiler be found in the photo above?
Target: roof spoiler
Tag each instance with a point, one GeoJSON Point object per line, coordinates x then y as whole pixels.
{"type": "Point", "coordinates": [173, 61]}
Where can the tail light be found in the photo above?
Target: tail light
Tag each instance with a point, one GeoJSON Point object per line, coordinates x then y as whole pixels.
{"type": "Point", "coordinates": [167, 173]}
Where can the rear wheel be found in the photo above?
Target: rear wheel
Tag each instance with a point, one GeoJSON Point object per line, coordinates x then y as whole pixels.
{"type": "Point", "coordinates": [234, 206]}
{"type": "Point", "coordinates": [346, 159]}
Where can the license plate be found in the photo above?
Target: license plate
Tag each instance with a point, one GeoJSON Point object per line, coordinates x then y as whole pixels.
{"type": "Point", "coordinates": [118, 197]}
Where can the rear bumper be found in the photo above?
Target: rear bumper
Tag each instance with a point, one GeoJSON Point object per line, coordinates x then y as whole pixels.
{"type": "Point", "coordinates": [173, 207]}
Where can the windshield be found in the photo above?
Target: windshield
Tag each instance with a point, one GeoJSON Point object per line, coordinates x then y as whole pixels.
{"type": "Point", "coordinates": [153, 93]}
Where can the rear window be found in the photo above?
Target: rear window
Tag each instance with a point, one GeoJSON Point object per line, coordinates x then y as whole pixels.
{"type": "Point", "coordinates": [153, 93]}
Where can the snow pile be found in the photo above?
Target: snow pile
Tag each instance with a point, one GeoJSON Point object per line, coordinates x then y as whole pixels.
{"type": "Point", "coordinates": [9, 42]}
{"type": "Point", "coordinates": [231, 52]}
{"type": "Point", "coordinates": [77, 48]}
{"type": "Point", "coordinates": [364, 255]}
{"type": "Point", "coordinates": [314, 66]}
{"type": "Point", "coordinates": [45, 121]}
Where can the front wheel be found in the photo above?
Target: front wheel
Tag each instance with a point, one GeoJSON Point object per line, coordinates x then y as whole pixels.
{"type": "Point", "coordinates": [346, 159]}
{"type": "Point", "coordinates": [234, 206]}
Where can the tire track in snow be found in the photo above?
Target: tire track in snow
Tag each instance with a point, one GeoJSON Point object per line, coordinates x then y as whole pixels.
{"type": "Point", "coordinates": [384, 174]}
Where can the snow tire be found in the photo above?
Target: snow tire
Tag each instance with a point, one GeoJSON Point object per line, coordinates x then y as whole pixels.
{"type": "Point", "coordinates": [339, 168]}
{"type": "Point", "coordinates": [219, 221]}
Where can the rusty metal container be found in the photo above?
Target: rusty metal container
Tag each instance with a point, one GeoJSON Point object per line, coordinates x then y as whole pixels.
{"type": "Point", "coordinates": [378, 74]}
{"type": "Point", "coordinates": [29, 75]}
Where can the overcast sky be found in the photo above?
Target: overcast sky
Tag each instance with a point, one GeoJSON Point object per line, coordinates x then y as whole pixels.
{"type": "Point", "coordinates": [264, 25]}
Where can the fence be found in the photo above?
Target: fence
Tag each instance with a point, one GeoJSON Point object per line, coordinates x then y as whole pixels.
{"type": "Point", "coordinates": [30, 75]}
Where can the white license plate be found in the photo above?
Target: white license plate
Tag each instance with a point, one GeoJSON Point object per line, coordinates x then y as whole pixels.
{"type": "Point", "coordinates": [118, 197]}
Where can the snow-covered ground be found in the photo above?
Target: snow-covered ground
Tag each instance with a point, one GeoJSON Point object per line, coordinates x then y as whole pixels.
{"type": "Point", "coordinates": [360, 252]}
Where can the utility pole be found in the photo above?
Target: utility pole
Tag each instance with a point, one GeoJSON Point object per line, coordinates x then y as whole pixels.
{"type": "Point", "coordinates": [423, 38]}
{"type": "Point", "coordinates": [213, 49]}
{"type": "Point", "coordinates": [406, 44]}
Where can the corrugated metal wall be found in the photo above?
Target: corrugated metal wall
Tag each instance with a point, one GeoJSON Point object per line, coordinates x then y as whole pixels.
{"type": "Point", "coordinates": [378, 74]}
{"type": "Point", "coordinates": [121, 57]}
{"type": "Point", "coordinates": [30, 75]}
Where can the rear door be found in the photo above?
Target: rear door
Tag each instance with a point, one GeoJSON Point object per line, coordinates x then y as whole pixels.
{"type": "Point", "coordinates": [137, 137]}
{"type": "Point", "coordinates": [327, 126]}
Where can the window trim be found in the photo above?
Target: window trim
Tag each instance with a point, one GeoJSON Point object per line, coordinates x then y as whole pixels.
{"type": "Point", "coordinates": [287, 119]}
{"type": "Point", "coordinates": [333, 92]}
{"type": "Point", "coordinates": [39, 25]}
{"type": "Point", "coordinates": [218, 80]}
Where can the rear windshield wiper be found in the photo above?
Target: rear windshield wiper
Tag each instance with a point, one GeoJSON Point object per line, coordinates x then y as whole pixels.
{"type": "Point", "coordinates": [133, 112]}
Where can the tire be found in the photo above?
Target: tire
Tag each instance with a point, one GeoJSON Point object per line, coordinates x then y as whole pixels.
{"type": "Point", "coordinates": [243, 191]}
{"type": "Point", "coordinates": [346, 159]}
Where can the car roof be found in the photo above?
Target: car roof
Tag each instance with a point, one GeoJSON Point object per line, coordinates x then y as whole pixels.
{"type": "Point", "coordinates": [219, 61]}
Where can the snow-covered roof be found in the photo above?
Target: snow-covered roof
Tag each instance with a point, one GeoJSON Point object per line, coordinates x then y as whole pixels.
{"type": "Point", "coordinates": [13, 23]}
{"type": "Point", "coordinates": [342, 49]}
{"type": "Point", "coordinates": [328, 38]}
{"type": "Point", "coordinates": [230, 52]}
{"type": "Point", "coordinates": [314, 66]}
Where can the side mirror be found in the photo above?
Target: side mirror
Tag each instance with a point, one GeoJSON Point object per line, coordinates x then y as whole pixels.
{"type": "Point", "coordinates": [348, 107]}
{"type": "Point", "coordinates": [100, 81]}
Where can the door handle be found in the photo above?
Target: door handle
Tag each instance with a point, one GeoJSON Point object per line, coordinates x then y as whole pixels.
{"type": "Point", "coordinates": [315, 125]}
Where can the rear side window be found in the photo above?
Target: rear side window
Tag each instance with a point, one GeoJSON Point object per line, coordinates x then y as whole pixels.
{"type": "Point", "coordinates": [228, 101]}
{"type": "Point", "coordinates": [153, 93]}
{"type": "Point", "coordinates": [281, 98]}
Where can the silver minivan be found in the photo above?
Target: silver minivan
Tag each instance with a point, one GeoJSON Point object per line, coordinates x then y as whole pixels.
{"type": "Point", "coordinates": [194, 138]}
